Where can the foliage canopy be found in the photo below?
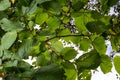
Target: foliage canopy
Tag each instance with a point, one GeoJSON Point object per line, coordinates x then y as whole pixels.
{"type": "Point", "coordinates": [84, 23]}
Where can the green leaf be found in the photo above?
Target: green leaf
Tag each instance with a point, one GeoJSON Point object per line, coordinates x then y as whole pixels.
{"type": "Point", "coordinates": [44, 59]}
{"type": "Point", "coordinates": [24, 49]}
{"type": "Point", "coordinates": [117, 63]}
{"type": "Point", "coordinates": [99, 45]}
{"type": "Point", "coordinates": [104, 2]}
{"type": "Point", "coordinates": [71, 74]}
{"type": "Point", "coordinates": [8, 25]}
{"type": "Point", "coordinates": [96, 15]}
{"type": "Point", "coordinates": [70, 71]}
{"type": "Point", "coordinates": [4, 4]}
{"type": "Point", "coordinates": [50, 72]}
{"type": "Point", "coordinates": [64, 32]}
{"type": "Point", "coordinates": [24, 65]}
{"type": "Point", "coordinates": [90, 60]}
{"type": "Point", "coordinates": [3, 15]}
{"type": "Point", "coordinates": [11, 63]}
{"type": "Point", "coordinates": [24, 35]}
{"type": "Point", "coordinates": [53, 24]}
{"type": "Point", "coordinates": [41, 1]}
{"type": "Point", "coordinates": [85, 75]}
{"type": "Point", "coordinates": [79, 4]}
{"type": "Point", "coordinates": [68, 53]}
{"type": "Point", "coordinates": [114, 43]}
{"type": "Point", "coordinates": [106, 64]}
{"type": "Point", "coordinates": [41, 18]}
{"type": "Point", "coordinates": [8, 39]}
{"type": "Point", "coordinates": [96, 27]}
{"type": "Point", "coordinates": [79, 22]}
{"type": "Point", "coordinates": [84, 44]}
{"type": "Point", "coordinates": [57, 45]}
{"type": "Point", "coordinates": [64, 8]}
{"type": "Point", "coordinates": [112, 2]}
{"type": "Point", "coordinates": [54, 7]}
{"type": "Point", "coordinates": [7, 55]}
{"type": "Point", "coordinates": [68, 65]}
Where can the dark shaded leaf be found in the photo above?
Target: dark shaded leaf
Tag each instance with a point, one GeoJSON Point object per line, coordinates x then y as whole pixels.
{"type": "Point", "coordinates": [96, 27]}
{"type": "Point", "coordinates": [50, 72]}
{"type": "Point", "coordinates": [90, 60]}
{"type": "Point", "coordinates": [68, 53]}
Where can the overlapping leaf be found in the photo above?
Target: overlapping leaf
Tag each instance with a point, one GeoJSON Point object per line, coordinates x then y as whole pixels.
{"type": "Point", "coordinates": [99, 45]}
{"type": "Point", "coordinates": [68, 53]}
{"type": "Point", "coordinates": [90, 60]}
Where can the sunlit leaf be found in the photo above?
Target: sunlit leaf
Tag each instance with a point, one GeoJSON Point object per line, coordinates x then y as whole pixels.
{"type": "Point", "coordinates": [8, 39]}
{"type": "Point", "coordinates": [4, 4]}
{"type": "Point", "coordinates": [8, 25]}
{"type": "Point", "coordinates": [53, 24]}
{"type": "Point", "coordinates": [57, 46]}
{"type": "Point", "coordinates": [41, 18]}
{"type": "Point", "coordinates": [80, 24]}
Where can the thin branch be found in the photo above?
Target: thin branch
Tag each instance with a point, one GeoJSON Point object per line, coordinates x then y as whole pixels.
{"type": "Point", "coordinates": [65, 36]}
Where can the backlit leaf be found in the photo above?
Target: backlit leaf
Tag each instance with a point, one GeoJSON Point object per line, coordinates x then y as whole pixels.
{"type": "Point", "coordinates": [85, 75]}
{"type": "Point", "coordinates": [106, 64]}
{"type": "Point", "coordinates": [80, 24]}
{"type": "Point", "coordinates": [99, 45]}
{"type": "Point", "coordinates": [84, 44]}
{"type": "Point", "coordinates": [117, 63]}
{"type": "Point", "coordinates": [70, 71]}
